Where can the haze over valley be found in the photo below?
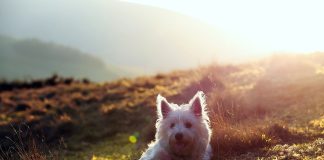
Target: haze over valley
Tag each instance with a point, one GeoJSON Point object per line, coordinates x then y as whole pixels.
{"type": "Point", "coordinates": [139, 37]}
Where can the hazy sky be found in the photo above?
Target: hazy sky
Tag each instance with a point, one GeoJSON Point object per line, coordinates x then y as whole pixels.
{"type": "Point", "coordinates": [276, 25]}
{"type": "Point", "coordinates": [132, 33]}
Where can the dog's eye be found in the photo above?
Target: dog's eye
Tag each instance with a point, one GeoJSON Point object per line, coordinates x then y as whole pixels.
{"type": "Point", "coordinates": [188, 125]}
{"type": "Point", "coordinates": [172, 125]}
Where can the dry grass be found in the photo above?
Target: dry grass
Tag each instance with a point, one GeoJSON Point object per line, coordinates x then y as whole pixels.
{"type": "Point", "coordinates": [253, 108]}
{"type": "Point", "coordinates": [27, 146]}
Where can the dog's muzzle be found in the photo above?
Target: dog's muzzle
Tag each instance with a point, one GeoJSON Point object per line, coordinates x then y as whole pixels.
{"type": "Point", "coordinates": [180, 144]}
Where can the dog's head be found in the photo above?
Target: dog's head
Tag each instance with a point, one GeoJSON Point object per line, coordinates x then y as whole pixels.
{"type": "Point", "coordinates": [181, 129]}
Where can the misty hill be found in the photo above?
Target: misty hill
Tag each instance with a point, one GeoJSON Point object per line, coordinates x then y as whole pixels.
{"type": "Point", "coordinates": [121, 33]}
{"type": "Point", "coordinates": [31, 58]}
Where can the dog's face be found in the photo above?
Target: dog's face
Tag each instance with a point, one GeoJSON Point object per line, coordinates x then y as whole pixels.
{"type": "Point", "coordinates": [182, 128]}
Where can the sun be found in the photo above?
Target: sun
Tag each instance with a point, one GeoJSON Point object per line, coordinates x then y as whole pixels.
{"type": "Point", "coordinates": [271, 26]}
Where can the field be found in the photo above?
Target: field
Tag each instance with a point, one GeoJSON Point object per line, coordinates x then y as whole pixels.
{"type": "Point", "coordinates": [268, 109]}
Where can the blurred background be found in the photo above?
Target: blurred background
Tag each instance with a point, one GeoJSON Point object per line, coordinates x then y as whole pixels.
{"type": "Point", "coordinates": [79, 78]}
{"type": "Point", "coordinates": [105, 40]}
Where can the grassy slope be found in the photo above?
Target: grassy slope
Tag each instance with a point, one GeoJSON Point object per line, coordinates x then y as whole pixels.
{"type": "Point", "coordinates": [270, 109]}
{"type": "Point", "coordinates": [35, 59]}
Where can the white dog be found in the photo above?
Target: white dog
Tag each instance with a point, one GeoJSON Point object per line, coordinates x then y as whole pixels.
{"type": "Point", "coordinates": [183, 132]}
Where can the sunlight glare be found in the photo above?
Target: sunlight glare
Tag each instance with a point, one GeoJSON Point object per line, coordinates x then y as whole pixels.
{"type": "Point", "coordinates": [272, 26]}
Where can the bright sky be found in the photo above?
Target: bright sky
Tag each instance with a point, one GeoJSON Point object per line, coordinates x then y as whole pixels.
{"type": "Point", "coordinates": [272, 26]}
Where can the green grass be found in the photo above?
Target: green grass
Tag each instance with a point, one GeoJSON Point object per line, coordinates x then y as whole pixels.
{"type": "Point", "coordinates": [117, 147]}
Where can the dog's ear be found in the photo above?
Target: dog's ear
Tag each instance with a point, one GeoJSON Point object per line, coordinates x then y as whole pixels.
{"type": "Point", "coordinates": [198, 103]}
{"type": "Point", "coordinates": [163, 107]}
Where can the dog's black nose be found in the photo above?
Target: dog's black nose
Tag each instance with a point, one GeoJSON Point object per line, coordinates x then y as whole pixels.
{"type": "Point", "coordinates": [179, 136]}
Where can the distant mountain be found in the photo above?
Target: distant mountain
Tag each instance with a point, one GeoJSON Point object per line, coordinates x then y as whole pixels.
{"type": "Point", "coordinates": [120, 33]}
{"type": "Point", "coordinates": [31, 58]}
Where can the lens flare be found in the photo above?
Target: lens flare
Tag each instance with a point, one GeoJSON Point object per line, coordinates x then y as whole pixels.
{"type": "Point", "coordinates": [132, 139]}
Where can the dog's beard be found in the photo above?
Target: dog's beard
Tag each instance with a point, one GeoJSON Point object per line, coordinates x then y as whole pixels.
{"type": "Point", "coordinates": [181, 148]}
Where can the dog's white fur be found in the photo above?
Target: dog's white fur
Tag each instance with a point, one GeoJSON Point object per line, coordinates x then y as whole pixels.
{"type": "Point", "coordinates": [190, 121]}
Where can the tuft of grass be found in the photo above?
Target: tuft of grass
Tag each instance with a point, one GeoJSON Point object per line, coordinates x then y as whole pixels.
{"type": "Point", "coordinates": [26, 146]}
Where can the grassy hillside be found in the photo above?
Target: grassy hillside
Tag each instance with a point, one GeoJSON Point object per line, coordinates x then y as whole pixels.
{"type": "Point", "coordinates": [271, 109]}
{"type": "Point", "coordinates": [31, 58]}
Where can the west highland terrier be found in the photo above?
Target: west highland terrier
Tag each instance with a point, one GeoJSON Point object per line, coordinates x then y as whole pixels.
{"type": "Point", "coordinates": [182, 132]}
